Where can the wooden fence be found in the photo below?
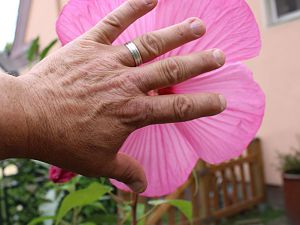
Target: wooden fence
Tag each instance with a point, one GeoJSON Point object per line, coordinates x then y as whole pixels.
{"type": "Point", "coordinates": [219, 191]}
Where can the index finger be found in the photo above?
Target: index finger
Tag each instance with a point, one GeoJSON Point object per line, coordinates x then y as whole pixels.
{"type": "Point", "coordinates": [110, 27]}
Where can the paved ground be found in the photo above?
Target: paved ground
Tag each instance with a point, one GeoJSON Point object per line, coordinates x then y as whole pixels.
{"type": "Point", "coordinates": [280, 221]}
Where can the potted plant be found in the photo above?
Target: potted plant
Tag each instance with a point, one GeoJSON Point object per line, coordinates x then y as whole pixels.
{"type": "Point", "coordinates": [290, 166]}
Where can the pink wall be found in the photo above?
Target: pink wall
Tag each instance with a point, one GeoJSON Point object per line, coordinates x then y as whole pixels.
{"type": "Point", "coordinates": [277, 70]}
{"type": "Point", "coordinates": [42, 20]}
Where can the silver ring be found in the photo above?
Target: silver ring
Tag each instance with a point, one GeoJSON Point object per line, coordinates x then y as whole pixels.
{"type": "Point", "coordinates": [134, 51]}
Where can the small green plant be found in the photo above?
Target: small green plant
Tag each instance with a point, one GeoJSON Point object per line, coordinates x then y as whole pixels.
{"type": "Point", "coordinates": [290, 163]}
{"type": "Point", "coordinates": [35, 54]}
{"type": "Point", "coordinates": [8, 48]}
{"type": "Point", "coordinates": [96, 203]}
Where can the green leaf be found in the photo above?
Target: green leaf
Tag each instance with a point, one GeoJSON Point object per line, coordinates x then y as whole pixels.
{"type": "Point", "coordinates": [81, 198]}
{"type": "Point", "coordinates": [99, 206]}
{"type": "Point", "coordinates": [140, 213]}
{"type": "Point", "coordinates": [33, 49]}
{"type": "Point", "coordinates": [46, 50]}
{"type": "Point", "coordinates": [8, 47]}
{"type": "Point", "coordinates": [41, 219]}
{"type": "Point", "coordinates": [182, 205]}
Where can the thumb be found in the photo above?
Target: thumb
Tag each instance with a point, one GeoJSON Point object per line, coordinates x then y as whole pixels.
{"type": "Point", "coordinates": [127, 170]}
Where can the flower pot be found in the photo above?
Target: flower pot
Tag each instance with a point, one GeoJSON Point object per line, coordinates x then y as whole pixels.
{"type": "Point", "coordinates": [292, 197]}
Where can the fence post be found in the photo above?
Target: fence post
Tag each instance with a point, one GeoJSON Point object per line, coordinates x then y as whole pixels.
{"type": "Point", "coordinates": [195, 202]}
{"type": "Point", "coordinates": [204, 190]}
{"type": "Point", "coordinates": [257, 169]}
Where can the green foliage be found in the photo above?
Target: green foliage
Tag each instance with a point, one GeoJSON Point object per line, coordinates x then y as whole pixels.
{"type": "Point", "coordinates": [104, 219]}
{"type": "Point", "coordinates": [33, 50]}
{"type": "Point", "coordinates": [182, 205]}
{"type": "Point", "coordinates": [25, 191]}
{"type": "Point", "coordinates": [290, 163]}
{"type": "Point", "coordinates": [35, 54]}
{"type": "Point", "coordinates": [41, 219]}
{"type": "Point", "coordinates": [8, 47]}
{"type": "Point", "coordinates": [81, 198]}
{"type": "Point", "coordinates": [46, 50]}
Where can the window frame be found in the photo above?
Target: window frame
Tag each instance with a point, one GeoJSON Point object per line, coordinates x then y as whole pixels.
{"type": "Point", "coordinates": [272, 14]}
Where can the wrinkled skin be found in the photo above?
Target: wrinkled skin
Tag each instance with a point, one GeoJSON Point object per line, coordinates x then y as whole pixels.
{"type": "Point", "coordinates": [82, 102]}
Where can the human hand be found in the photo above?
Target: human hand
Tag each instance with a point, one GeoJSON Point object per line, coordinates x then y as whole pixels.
{"type": "Point", "coordinates": [83, 101]}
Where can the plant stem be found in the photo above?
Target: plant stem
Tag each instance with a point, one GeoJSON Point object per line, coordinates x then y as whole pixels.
{"type": "Point", "coordinates": [146, 214]}
{"type": "Point", "coordinates": [64, 223]}
{"type": "Point", "coordinates": [75, 217]}
{"type": "Point", "coordinates": [135, 198]}
{"type": "Point", "coordinates": [116, 198]}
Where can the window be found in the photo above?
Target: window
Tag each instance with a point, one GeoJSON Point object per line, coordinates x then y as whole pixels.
{"type": "Point", "coordinates": [283, 10]}
{"type": "Point", "coordinates": [8, 20]}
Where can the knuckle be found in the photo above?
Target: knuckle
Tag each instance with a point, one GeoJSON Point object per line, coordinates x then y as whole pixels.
{"type": "Point", "coordinates": [131, 82]}
{"type": "Point", "coordinates": [182, 107]}
{"type": "Point", "coordinates": [127, 175]}
{"type": "Point", "coordinates": [207, 61]}
{"type": "Point", "coordinates": [213, 102]}
{"type": "Point", "coordinates": [137, 113]}
{"type": "Point", "coordinates": [173, 70]}
{"type": "Point", "coordinates": [113, 21]}
{"type": "Point", "coordinates": [133, 5]}
{"type": "Point", "coordinates": [211, 105]}
{"type": "Point", "coordinates": [152, 44]}
{"type": "Point", "coordinates": [180, 31]}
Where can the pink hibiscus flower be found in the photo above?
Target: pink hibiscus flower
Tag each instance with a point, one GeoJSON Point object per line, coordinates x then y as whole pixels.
{"type": "Point", "coordinates": [169, 152]}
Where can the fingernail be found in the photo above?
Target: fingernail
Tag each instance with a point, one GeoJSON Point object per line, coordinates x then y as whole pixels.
{"type": "Point", "coordinates": [197, 27]}
{"type": "Point", "coordinates": [223, 102]}
{"type": "Point", "coordinates": [219, 56]}
{"type": "Point", "coordinates": [137, 187]}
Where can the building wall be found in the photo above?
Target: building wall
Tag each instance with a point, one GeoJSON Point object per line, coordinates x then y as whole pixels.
{"type": "Point", "coordinates": [277, 70]}
{"type": "Point", "coordinates": [43, 15]}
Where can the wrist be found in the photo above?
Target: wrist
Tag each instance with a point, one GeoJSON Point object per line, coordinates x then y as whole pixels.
{"type": "Point", "coordinates": [13, 125]}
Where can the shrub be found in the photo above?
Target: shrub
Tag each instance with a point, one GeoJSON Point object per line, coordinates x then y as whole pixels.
{"type": "Point", "coordinates": [290, 163]}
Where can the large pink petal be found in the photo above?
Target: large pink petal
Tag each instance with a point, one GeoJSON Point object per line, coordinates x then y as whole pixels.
{"type": "Point", "coordinates": [225, 136]}
{"type": "Point", "coordinates": [169, 152]}
{"type": "Point", "coordinates": [166, 156]}
{"type": "Point", "coordinates": [231, 25]}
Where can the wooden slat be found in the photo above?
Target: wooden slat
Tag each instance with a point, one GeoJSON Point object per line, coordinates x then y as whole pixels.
{"type": "Point", "coordinates": [257, 168]}
{"type": "Point", "coordinates": [195, 202]}
{"type": "Point", "coordinates": [204, 195]}
{"type": "Point", "coordinates": [236, 208]}
{"type": "Point", "coordinates": [236, 162]}
{"type": "Point", "coordinates": [159, 222]}
{"type": "Point", "coordinates": [234, 185]}
{"type": "Point", "coordinates": [252, 174]}
{"type": "Point", "coordinates": [216, 192]}
{"type": "Point", "coordinates": [243, 182]}
{"type": "Point", "coordinates": [225, 189]}
{"type": "Point", "coordinates": [172, 216]}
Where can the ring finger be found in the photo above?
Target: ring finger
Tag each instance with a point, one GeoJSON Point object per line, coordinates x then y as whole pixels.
{"type": "Point", "coordinates": [154, 44]}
